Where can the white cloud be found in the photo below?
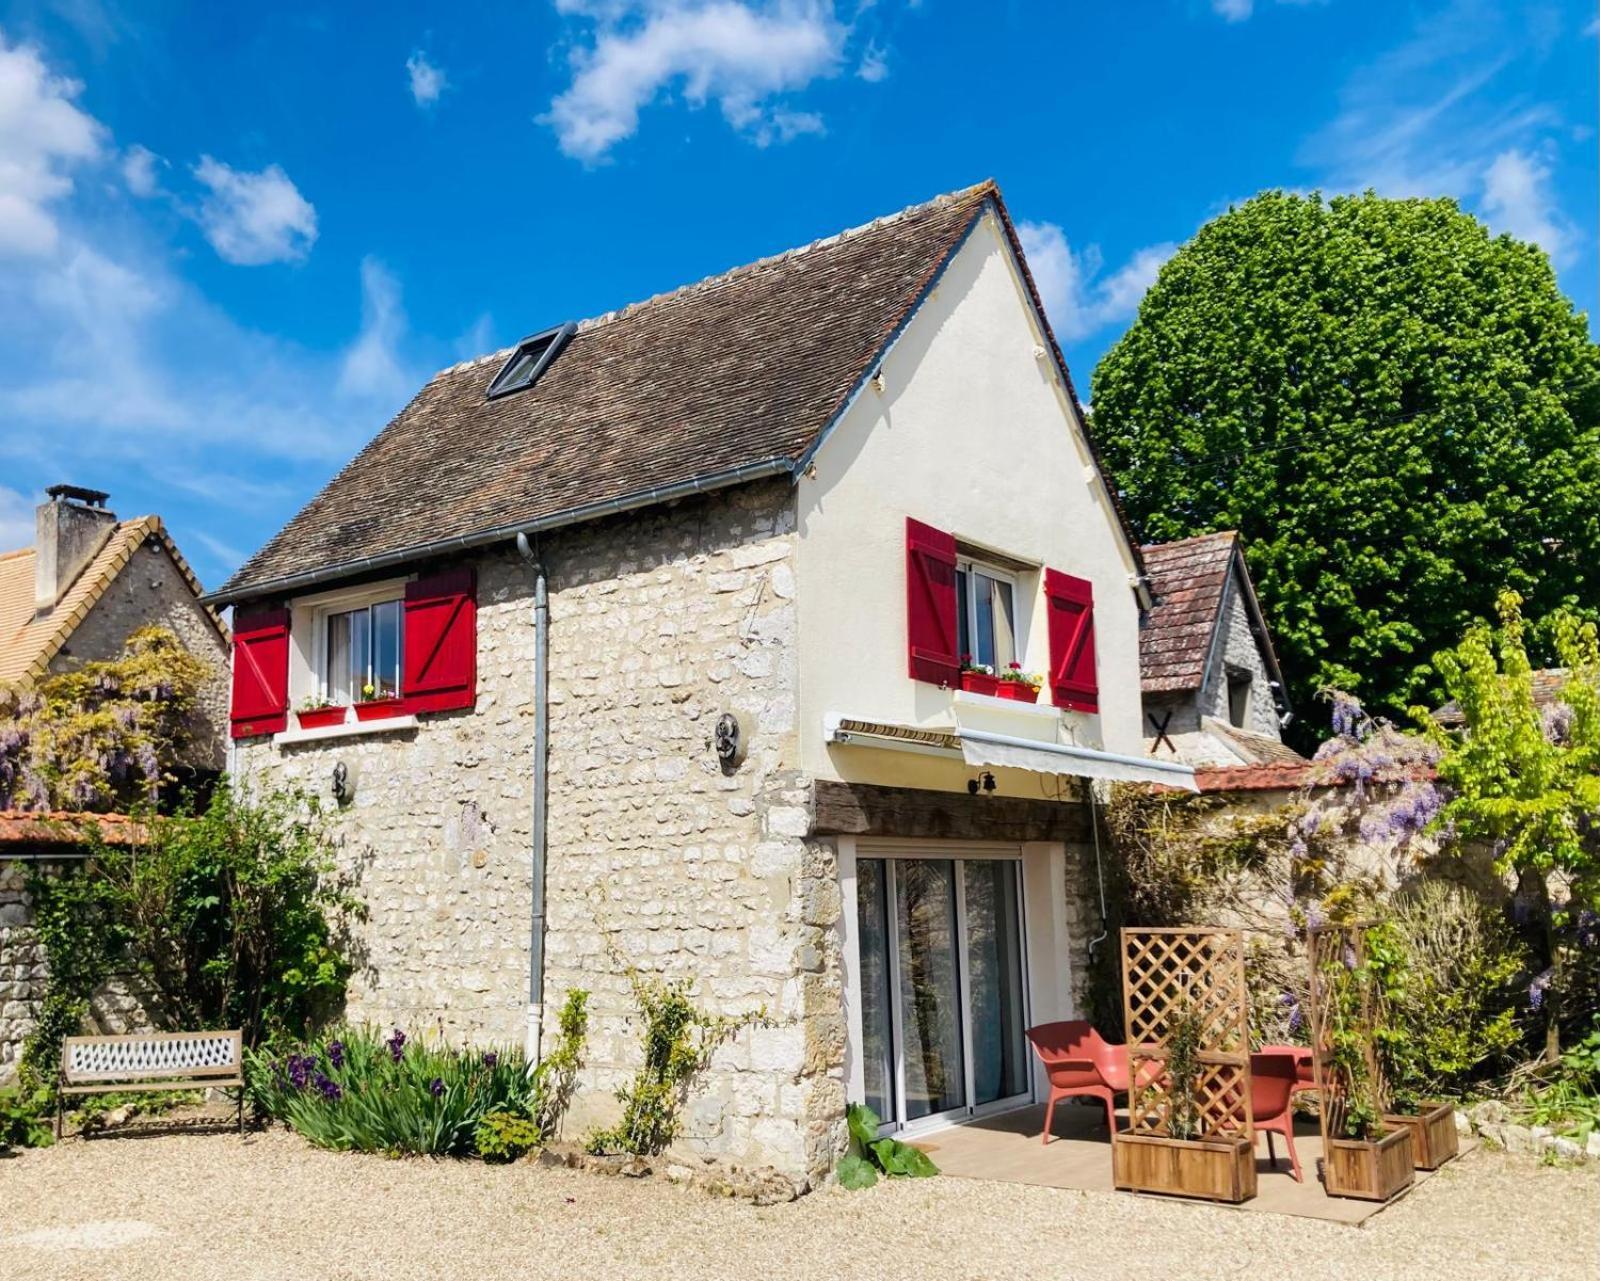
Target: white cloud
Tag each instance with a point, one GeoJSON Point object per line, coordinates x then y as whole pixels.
{"type": "Point", "coordinates": [372, 366]}
{"type": "Point", "coordinates": [254, 218]}
{"type": "Point", "coordinates": [139, 171]}
{"type": "Point", "coordinates": [1233, 10]}
{"type": "Point", "coordinates": [1517, 198]}
{"type": "Point", "coordinates": [739, 54]}
{"type": "Point", "coordinates": [43, 137]}
{"type": "Point", "coordinates": [1077, 298]}
{"type": "Point", "coordinates": [427, 81]}
{"type": "Point", "coordinates": [874, 65]}
{"type": "Point", "coordinates": [16, 520]}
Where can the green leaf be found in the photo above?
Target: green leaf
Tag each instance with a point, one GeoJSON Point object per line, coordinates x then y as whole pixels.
{"type": "Point", "coordinates": [855, 1172]}
{"type": "Point", "coordinates": [903, 1160]}
{"type": "Point", "coordinates": [863, 1123]}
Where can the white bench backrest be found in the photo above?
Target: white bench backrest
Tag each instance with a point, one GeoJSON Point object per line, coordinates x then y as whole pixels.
{"type": "Point", "coordinates": [150, 1055]}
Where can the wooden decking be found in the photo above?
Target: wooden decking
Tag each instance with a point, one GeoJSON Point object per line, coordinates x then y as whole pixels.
{"type": "Point", "coordinates": [1006, 1149]}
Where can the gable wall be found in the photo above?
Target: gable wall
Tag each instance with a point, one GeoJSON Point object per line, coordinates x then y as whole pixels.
{"type": "Point", "coordinates": [1240, 650]}
{"type": "Point", "coordinates": [973, 434]}
{"type": "Point", "coordinates": [151, 591]}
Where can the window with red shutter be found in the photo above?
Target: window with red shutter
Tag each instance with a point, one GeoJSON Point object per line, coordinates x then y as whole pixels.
{"type": "Point", "coordinates": [1070, 602]}
{"type": "Point", "coordinates": [260, 703]}
{"type": "Point", "coordinates": [441, 642]}
{"type": "Point", "coordinates": [931, 604]}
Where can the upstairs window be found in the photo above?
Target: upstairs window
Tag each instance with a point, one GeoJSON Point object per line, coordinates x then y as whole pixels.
{"type": "Point", "coordinates": [361, 657]}
{"type": "Point", "coordinates": [531, 358]}
{"type": "Point", "coordinates": [1239, 683]}
{"type": "Point", "coordinates": [986, 615]}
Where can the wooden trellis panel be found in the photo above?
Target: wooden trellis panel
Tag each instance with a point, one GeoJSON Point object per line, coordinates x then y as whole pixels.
{"type": "Point", "coordinates": [1344, 946]}
{"type": "Point", "coordinates": [1162, 970]}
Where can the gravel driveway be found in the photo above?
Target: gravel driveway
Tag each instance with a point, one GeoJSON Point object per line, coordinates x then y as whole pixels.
{"type": "Point", "coordinates": [214, 1206]}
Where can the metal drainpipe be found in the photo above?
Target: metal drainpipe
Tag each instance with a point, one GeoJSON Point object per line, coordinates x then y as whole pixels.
{"type": "Point", "coordinates": [541, 753]}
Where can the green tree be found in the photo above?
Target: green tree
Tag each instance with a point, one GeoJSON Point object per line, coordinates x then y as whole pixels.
{"type": "Point", "coordinates": [1398, 411]}
{"type": "Point", "coordinates": [1527, 780]}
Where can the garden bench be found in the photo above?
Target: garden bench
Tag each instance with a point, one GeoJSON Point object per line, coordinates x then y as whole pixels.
{"type": "Point", "coordinates": [150, 1061]}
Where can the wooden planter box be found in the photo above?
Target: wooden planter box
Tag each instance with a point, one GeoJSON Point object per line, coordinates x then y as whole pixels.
{"type": "Point", "coordinates": [1215, 1169]}
{"type": "Point", "coordinates": [1368, 1170]}
{"type": "Point", "coordinates": [1433, 1133]}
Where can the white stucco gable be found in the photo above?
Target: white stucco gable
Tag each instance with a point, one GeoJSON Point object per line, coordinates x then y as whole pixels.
{"type": "Point", "coordinates": [967, 423]}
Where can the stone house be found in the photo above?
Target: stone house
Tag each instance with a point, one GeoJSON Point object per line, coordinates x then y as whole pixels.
{"type": "Point", "coordinates": [88, 582]}
{"type": "Point", "coordinates": [641, 644]}
{"type": "Point", "coordinates": [1213, 693]}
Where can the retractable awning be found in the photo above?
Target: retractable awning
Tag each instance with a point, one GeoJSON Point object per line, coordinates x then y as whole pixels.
{"type": "Point", "coordinates": [981, 747]}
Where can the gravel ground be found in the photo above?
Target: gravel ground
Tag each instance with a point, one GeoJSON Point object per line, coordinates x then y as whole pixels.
{"type": "Point", "coordinates": [213, 1206]}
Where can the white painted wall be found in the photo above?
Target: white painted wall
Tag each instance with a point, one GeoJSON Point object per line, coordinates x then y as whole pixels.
{"type": "Point", "coordinates": [974, 434]}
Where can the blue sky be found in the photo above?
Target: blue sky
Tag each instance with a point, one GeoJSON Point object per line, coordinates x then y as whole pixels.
{"type": "Point", "coordinates": [234, 239]}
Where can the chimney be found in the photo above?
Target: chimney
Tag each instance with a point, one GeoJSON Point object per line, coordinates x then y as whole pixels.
{"type": "Point", "coordinates": [70, 528]}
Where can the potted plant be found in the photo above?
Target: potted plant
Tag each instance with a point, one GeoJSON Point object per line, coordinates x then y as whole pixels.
{"type": "Point", "coordinates": [319, 711]}
{"type": "Point", "coordinates": [1431, 1122]}
{"type": "Point", "coordinates": [978, 678]}
{"type": "Point", "coordinates": [1017, 685]}
{"type": "Point", "coordinates": [1167, 1148]}
{"type": "Point", "coordinates": [376, 703]}
{"type": "Point", "coordinates": [1363, 1157]}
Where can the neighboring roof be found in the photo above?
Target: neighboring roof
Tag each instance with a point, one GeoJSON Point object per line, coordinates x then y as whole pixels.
{"type": "Point", "coordinates": [1189, 587]}
{"type": "Point", "coordinates": [1547, 686]}
{"type": "Point", "coordinates": [1254, 778]}
{"type": "Point", "coordinates": [1252, 748]}
{"type": "Point", "coordinates": [727, 380]}
{"type": "Point", "coordinates": [63, 828]}
{"type": "Point", "coordinates": [28, 639]}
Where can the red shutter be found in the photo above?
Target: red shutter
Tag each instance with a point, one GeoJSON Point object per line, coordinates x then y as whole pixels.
{"type": "Point", "coordinates": [441, 642]}
{"type": "Point", "coordinates": [1072, 672]}
{"type": "Point", "coordinates": [931, 604]}
{"type": "Point", "coordinates": [260, 673]}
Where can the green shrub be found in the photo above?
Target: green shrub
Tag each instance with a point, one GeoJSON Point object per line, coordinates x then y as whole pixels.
{"type": "Point", "coordinates": [504, 1136]}
{"type": "Point", "coordinates": [868, 1154]}
{"type": "Point", "coordinates": [25, 1117]}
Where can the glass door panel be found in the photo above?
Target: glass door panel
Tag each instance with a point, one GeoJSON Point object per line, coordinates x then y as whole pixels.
{"type": "Point", "coordinates": [929, 987]}
{"type": "Point", "coordinates": [877, 1013]}
{"type": "Point", "coordinates": [994, 980]}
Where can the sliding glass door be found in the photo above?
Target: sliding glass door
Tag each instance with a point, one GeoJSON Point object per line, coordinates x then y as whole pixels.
{"type": "Point", "coordinates": [943, 1007]}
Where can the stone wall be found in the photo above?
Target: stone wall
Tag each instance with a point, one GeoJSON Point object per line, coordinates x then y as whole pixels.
{"type": "Point", "coordinates": [151, 591]}
{"type": "Point", "coordinates": [659, 858]}
{"type": "Point", "coordinates": [1241, 652]}
{"type": "Point", "coordinates": [22, 966]}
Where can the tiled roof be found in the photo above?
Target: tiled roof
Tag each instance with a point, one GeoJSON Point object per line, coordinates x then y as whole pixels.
{"type": "Point", "coordinates": [29, 640]}
{"type": "Point", "coordinates": [1257, 749]}
{"type": "Point", "coordinates": [1187, 583]}
{"type": "Point", "coordinates": [737, 373]}
{"type": "Point", "coordinates": [1254, 778]}
{"type": "Point", "coordinates": [62, 827]}
{"type": "Point", "coordinates": [1547, 686]}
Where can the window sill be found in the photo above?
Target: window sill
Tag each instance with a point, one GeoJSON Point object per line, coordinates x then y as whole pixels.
{"type": "Point", "coordinates": [990, 702]}
{"type": "Point", "coordinates": [350, 729]}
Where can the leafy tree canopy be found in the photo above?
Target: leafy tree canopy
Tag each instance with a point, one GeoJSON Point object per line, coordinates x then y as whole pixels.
{"type": "Point", "coordinates": [1399, 412]}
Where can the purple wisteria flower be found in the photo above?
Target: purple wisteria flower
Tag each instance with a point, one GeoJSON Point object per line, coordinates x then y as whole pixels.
{"type": "Point", "coordinates": [336, 1053]}
{"type": "Point", "coordinates": [1536, 990]}
{"type": "Point", "coordinates": [1588, 929]}
{"type": "Point", "coordinates": [436, 1087]}
{"type": "Point", "coordinates": [396, 1044]}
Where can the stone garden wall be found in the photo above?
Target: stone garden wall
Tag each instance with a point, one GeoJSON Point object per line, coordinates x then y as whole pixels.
{"type": "Point", "coordinates": [659, 857]}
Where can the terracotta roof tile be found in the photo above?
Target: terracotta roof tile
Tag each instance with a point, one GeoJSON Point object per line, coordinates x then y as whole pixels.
{"type": "Point", "coordinates": [1187, 581]}
{"type": "Point", "coordinates": [1547, 686]}
{"type": "Point", "coordinates": [63, 827]}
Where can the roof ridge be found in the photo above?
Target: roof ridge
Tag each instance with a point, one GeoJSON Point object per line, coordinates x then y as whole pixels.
{"type": "Point", "coordinates": [1192, 538]}
{"type": "Point", "coordinates": [20, 551]}
{"type": "Point", "coordinates": [986, 187]}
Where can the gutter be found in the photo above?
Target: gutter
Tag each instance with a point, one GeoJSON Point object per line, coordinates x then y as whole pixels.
{"type": "Point", "coordinates": [541, 780]}
{"type": "Point", "coordinates": [290, 583]}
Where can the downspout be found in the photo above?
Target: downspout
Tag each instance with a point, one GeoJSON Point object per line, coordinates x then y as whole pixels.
{"type": "Point", "coordinates": [541, 755]}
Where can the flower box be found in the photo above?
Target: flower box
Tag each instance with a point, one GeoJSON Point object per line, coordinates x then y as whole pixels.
{"type": "Point", "coordinates": [1369, 1169]}
{"type": "Point", "coordinates": [377, 709]}
{"type": "Point", "coordinates": [321, 717]}
{"type": "Point", "coordinates": [980, 683]}
{"type": "Point", "coordinates": [1216, 1169]}
{"type": "Point", "coordinates": [1018, 691]}
{"type": "Point", "coordinates": [1433, 1133]}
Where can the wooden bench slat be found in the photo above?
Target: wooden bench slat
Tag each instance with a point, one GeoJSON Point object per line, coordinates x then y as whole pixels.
{"type": "Point", "coordinates": [208, 1084]}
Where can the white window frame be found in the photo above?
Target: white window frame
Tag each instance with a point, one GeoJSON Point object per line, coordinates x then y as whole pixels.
{"type": "Point", "coordinates": [310, 625]}
{"type": "Point", "coordinates": [971, 566]}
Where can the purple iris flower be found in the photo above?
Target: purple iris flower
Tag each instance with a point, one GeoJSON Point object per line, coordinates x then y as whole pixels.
{"type": "Point", "coordinates": [490, 1059]}
{"type": "Point", "coordinates": [336, 1053]}
{"type": "Point", "coordinates": [396, 1044]}
{"type": "Point", "coordinates": [299, 1070]}
{"type": "Point", "coordinates": [436, 1087]}
{"type": "Point", "coordinates": [330, 1089]}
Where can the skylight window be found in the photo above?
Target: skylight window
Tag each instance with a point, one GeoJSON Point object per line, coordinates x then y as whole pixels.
{"type": "Point", "coordinates": [531, 358]}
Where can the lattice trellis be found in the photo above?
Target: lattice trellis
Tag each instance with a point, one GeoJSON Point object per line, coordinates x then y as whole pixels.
{"type": "Point", "coordinates": [157, 1054]}
{"type": "Point", "coordinates": [1165, 971]}
{"type": "Point", "coordinates": [1338, 953]}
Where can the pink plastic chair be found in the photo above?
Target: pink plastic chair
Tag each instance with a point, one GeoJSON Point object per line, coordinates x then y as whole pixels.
{"type": "Point", "coordinates": [1301, 1054]}
{"type": "Point", "coordinates": [1274, 1081]}
{"type": "Point", "coordinates": [1079, 1063]}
